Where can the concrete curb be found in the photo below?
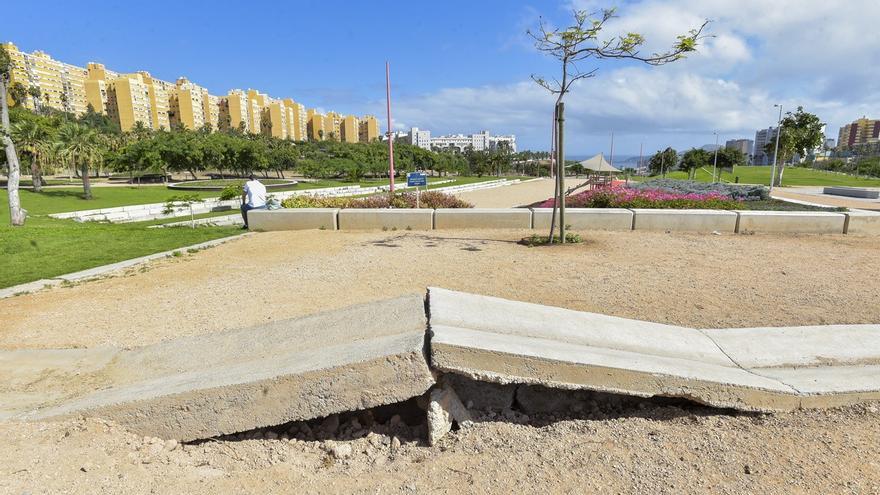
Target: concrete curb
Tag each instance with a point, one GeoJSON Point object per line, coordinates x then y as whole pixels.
{"type": "Point", "coordinates": [104, 269]}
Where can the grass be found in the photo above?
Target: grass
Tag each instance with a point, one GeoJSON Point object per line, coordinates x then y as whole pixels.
{"type": "Point", "coordinates": [221, 183]}
{"type": "Point", "coordinates": [46, 247]}
{"type": "Point", "coordinates": [793, 176]}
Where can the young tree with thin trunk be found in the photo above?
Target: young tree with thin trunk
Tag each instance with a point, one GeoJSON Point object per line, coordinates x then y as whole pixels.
{"type": "Point", "coordinates": [16, 213]}
{"type": "Point", "coordinates": [582, 43]}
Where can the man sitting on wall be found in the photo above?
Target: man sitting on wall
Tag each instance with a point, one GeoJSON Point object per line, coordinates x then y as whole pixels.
{"type": "Point", "coordinates": [253, 197]}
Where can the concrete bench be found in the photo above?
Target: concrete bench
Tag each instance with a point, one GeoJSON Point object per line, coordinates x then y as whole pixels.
{"type": "Point", "coordinates": [853, 192]}
{"type": "Point", "coordinates": [684, 220]}
{"type": "Point", "coordinates": [483, 218]}
{"type": "Point", "coordinates": [386, 218]}
{"type": "Point", "coordinates": [792, 222]}
{"type": "Point", "coordinates": [293, 219]}
{"type": "Point", "coordinates": [586, 218]}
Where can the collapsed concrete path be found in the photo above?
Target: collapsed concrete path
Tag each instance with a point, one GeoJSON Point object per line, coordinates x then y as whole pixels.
{"type": "Point", "coordinates": [380, 353]}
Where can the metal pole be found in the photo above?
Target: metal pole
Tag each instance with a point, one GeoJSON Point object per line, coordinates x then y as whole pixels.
{"type": "Point", "coordinates": [776, 151]}
{"type": "Point", "coordinates": [553, 148]}
{"type": "Point", "coordinates": [560, 152]}
{"type": "Point", "coordinates": [390, 135]}
{"type": "Point", "coordinates": [715, 163]}
{"type": "Point", "coordinates": [612, 152]}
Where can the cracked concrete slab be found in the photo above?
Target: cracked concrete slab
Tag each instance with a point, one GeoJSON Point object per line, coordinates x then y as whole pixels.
{"type": "Point", "coordinates": [504, 341]}
{"type": "Point", "coordinates": [210, 385]}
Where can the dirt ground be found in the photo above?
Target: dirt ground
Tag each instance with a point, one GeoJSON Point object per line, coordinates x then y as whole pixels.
{"type": "Point", "coordinates": [694, 280]}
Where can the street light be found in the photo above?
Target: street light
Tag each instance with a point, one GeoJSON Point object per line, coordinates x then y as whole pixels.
{"type": "Point", "coordinates": [715, 163]}
{"type": "Point", "coordinates": [776, 151]}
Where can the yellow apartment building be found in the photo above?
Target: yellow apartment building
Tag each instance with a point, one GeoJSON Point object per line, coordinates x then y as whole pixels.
{"type": "Point", "coordinates": [861, 131]}
{"type": "Point", "coordinates": [275, 120]}
{"type": "Point", "coordinates": [235, 110]}
{"type": "Point", "coordinates": [332, 124]}
{"type": "Point", "coordinates": [128, 101]}
{"type": "Point", "coordinates": [368, 129]}
{"type": "Point", "coordinates": [349, 130]}
{"type": "Point", "coordinates": [316, 131]}
{"type": "Point", "coordinates": [160, 92]}
{"type": "Point", "coordinates": [139, 97]}
{"type": "Point", "coordinates": [62, 86]}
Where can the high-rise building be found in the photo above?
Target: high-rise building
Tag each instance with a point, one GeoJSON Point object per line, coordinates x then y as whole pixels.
{"type": "Point", "coordinates": [419, 137]}
{"type": "Point", "coordinates": [859, 132]}
{"type": "Point", "coordinates": [744, 146]}
{"type": "Point", "coordinates": [316, 131]}
{"type": "Point", "coordinates": [128, 101]}
{"type": "Point", "coordinates": [139, 97]}
{"type": "Point", "coordinates": [61, 85]}
{"type": "Point", "coordinates": [368, 129]}
{"type": "Point", "coordinates": [188, 107]}
{"type": "Point", "coordinates": [480, 141]}
{"type": "Point", "coordinates": [349, 129]}
{"type": "Point", "coordinates": [762, 138]}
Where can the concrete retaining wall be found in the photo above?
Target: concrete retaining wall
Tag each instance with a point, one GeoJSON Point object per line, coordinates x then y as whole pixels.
{"type": "Point", "coordinates": [483, 218]}
{"type": "Point", "coordinates": [293, 219]}
{"type": "Point", "coordinates": [862, 222]}
{"type": "Point", "coordinates": [384, 218]}
{"type": "Point", "coordinates": [685, 220]}
{"type": "Point", "coordinates": [586, 218]}
{"type": "Point", "coordinates": [805, 222]}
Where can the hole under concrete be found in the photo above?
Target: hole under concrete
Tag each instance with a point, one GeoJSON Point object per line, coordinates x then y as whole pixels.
{"type": "Point", "coordinates": [530, 405]}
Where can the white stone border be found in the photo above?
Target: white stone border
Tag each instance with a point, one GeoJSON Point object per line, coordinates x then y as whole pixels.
{"type": "Point", "coordinates": [666, 220]}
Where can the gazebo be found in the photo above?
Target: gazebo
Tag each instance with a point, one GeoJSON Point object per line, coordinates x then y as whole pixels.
{"type": "Point", "coordinates": [600, 171]}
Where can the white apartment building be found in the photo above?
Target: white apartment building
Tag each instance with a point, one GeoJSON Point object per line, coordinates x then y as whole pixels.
{"type": "Point", "coordinates": [480, 141]}
{"type": "Point", "coordinates": [420, 138]}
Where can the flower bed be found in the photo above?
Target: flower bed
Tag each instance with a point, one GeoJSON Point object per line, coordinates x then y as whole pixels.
{"type": "Point", "coordinates": [732, 191]}
{"type": "Point", "coordinates": [647, 198]}
{"type": "Point", "coordinates": [429, 199]}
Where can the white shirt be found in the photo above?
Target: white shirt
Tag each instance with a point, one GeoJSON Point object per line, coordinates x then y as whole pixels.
{"type": "Point", "coordinates": [256, 193]}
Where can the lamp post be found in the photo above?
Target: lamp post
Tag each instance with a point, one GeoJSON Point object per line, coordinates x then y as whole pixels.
{"type": "Point", "coordinates": [776, 151]}
{"type": "Point", "coordinates": [715, 163]}
{"type": "Point", "coordinates": [390, 134]}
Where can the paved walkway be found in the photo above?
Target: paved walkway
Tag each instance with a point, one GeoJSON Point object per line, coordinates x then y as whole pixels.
{"type": "Point", "coordinates": [524, 193]}
{"type": "Point", "coordinates": [815, 195]}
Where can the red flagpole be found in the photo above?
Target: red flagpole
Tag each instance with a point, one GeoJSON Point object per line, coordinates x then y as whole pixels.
{"type": "Point", "coordinates": [390, 135]}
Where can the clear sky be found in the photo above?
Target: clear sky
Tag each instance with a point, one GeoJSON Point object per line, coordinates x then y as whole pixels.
{"type": "Point", "coordinates": [462, 66]}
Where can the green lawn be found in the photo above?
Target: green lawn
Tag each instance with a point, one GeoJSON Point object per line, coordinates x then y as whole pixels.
{"type": "Point", "coordinates": [793, 176]}
{"type": "Point", "coordinates": [46, 247]}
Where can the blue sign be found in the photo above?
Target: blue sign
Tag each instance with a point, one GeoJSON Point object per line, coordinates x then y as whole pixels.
{"type": "Point", "coordinates": [416, 179]}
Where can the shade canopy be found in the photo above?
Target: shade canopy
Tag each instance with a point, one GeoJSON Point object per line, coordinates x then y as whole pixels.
{"type": "Point", "coordinates": [598, 164]}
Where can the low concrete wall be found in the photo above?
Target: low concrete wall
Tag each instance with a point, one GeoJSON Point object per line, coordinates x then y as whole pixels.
{"type": "Point", "coordinates": [685, 220]}
{"type": "Point", "coordinates": [385, 218]}
{"type": "Point", "coordinates": [293, 219]}
{"type": "Point", "coordinates": [853, 192]}
{"type": "Point", "coordinates": [483, 218]}
{"type": "Point", "coordinates": [793, 222]}
{"type": "Point", "coordinates": [586, 218]}
{"type": "Point", "coordinates": [862, 222]}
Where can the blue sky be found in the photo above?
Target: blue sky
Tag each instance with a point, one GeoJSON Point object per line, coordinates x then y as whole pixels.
{"type": "Point", "coordinates": [461, 66]}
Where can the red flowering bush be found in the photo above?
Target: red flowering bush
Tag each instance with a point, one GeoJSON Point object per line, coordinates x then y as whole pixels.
{"type": "Point", "coordinates": [429, 199]}
{"type": "Point", "coordinates": [647, 198]}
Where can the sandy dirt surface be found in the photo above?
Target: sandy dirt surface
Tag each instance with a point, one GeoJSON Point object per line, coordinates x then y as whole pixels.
{"type": "Point", "coordinates": [815, 195]}
{"type": "Point", "coordinates": [704, 281]}
{"type": "Point", "coordinates": [524, 193]}
{"type": "Point", "coordinates": [694, 280]}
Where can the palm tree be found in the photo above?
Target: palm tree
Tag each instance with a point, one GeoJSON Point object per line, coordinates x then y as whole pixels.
{"type": "Point", "coordinates": [33, 137]}
{"type": "Point", "coordinates": [81, 145]}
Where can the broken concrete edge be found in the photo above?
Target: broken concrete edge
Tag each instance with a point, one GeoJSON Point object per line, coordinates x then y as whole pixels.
{"type": "Point", "coordinates": [189, 400]}
{"type": "Point", "coordinates": [29, 287]}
